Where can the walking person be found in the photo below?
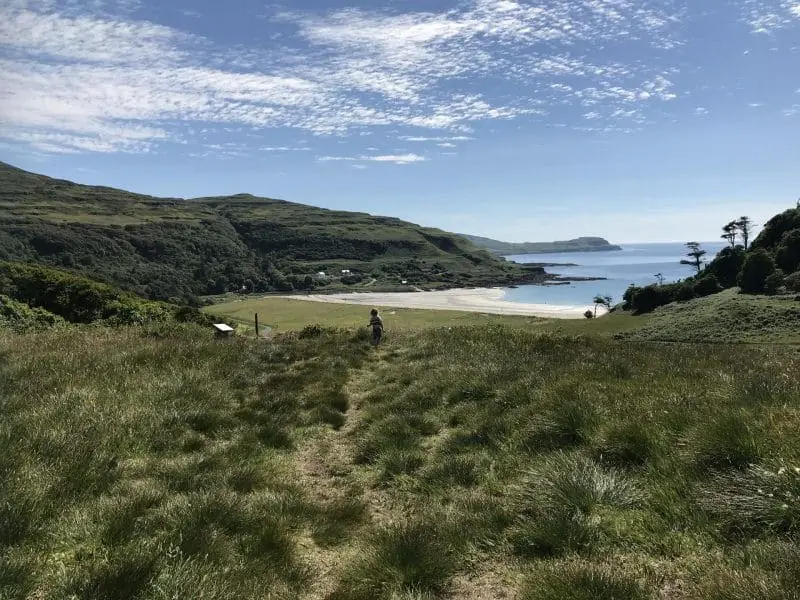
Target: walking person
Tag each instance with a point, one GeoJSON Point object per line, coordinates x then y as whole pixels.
{"type": "Point", "coordinates": [376, 323]}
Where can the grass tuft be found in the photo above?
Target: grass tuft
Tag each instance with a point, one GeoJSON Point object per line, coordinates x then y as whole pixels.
{"type": "Point", "coordinates": [582, 581]}
{"type": "Point", "coordinates": [403, 558]}
{"type": "Point", "coordinates": [731, 440]}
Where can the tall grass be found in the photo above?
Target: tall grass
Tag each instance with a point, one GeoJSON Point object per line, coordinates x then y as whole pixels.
{"type": "Point", "coordinates": [476, 461]}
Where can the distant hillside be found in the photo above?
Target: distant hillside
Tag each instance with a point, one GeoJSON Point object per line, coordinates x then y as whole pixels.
{"type": "Point", "coordinates": [582, 244]}
{"type": "Point", "coordinates": [175, 249]}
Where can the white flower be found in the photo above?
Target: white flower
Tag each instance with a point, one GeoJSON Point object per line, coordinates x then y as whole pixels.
{"type": "Point", "coordinates": [782, 470]}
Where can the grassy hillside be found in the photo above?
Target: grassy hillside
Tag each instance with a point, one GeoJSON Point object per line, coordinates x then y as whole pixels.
{"type": "Point", "coordinates": [472, 462]}
{"type": "Point", "coordinates": [725, 317]}
{"type": "Point", "coordinates": [168, 248]}
{"type": "Point", "coordinates": [582, 244]}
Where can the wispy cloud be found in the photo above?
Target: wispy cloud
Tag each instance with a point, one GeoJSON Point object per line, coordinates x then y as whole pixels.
{"type": "Point", "coordinates": [79, 76]}
{"type": "Point", "coordinates": [417, 138]}
{"type": "Point", "coordinates": [398, 159]}
{"type": "Point", "coordinates": [768, 16]}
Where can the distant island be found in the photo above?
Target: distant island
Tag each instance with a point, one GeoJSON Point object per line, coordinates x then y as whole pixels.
{"type": "Point", "coordinates": [581, 244]}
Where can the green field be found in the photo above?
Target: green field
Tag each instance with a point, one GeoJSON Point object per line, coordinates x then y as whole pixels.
{"type": "Point", "coordinates": [466, 462]}
{"type": "Point", "coordinates": [284, 314]}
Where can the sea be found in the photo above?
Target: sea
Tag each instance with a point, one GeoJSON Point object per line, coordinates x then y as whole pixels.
{"type": "Point", "coordinates": [635, 264]}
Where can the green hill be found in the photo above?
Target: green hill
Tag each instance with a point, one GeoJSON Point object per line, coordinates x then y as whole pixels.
{"type": "Point", "coordinates": [175, 249]}
{"type": "Point", "coordinates": [727, 317]}
{"type": "Point", "coordinates": [582, 244]}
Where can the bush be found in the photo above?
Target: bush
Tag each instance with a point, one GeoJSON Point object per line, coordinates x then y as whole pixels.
{"type": "Point", "coordinates": [757, 267]}
{"type": "Point", "coordinates": [774, 283]}
{"type": "Point", "coordinates": [20, 317]}
{"type": "Point", "coordinates": [589, 314]}
{"type": "Point", "coordinates": [787, 254]}
{"type": "Point", "coordinates": [726, 266]}
{"type": "Point", "coordinates": [792, 282]}
{"type": "Point", "coordinates": [646, 299]}
{"type": "Point", "coordinates": [705, 286]}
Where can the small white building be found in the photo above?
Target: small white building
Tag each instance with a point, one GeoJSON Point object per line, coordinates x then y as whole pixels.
{"type": "Point", "coordinates": [345, 271]}
{"type": "Point", "coordinates": [223, 330]}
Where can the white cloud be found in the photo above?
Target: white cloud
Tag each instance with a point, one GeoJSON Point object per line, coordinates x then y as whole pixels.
{"type": "Point", "coordinates": [398, 159]}
{"type": "Point", "coordinates": [89, 76]}
{"type": "Point", "coordinates": [446, 145]}
{"type": "Point", "coordinates": [768, 16]}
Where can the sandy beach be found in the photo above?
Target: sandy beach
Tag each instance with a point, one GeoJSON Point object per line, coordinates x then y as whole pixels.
{"type": "Point", "coordinates": [482, 300]}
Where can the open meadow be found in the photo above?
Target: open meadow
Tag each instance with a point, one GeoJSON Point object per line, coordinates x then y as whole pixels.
{"type": "Point", "coordinates": [452, 462]}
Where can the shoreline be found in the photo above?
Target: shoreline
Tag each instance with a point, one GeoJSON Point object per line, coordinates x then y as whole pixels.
{"type": "Point", "coordinates": [477, 300]}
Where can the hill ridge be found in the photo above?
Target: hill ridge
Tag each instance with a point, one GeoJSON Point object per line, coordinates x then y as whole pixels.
{"type": "Point", "coordinates": [178, 249]}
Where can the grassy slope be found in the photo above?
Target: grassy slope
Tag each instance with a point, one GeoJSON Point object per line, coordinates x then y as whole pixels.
{"type": "Point", "coordinates": [163, 247]}
{"type": "Point", "coordinates": [472, 463]}
{"type": "Point", "coordinates": [724, 317]}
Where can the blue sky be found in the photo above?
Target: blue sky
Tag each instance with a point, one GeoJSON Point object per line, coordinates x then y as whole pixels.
{"type": "Point", "coordinates": [637, 120]}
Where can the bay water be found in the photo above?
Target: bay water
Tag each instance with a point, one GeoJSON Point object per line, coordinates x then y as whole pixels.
{"type": "Point", "coordinates": [635, 264]}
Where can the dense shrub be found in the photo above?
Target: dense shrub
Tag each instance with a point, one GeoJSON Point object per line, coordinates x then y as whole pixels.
{"type": "Point", "coordinates": [758, 265]}
{"type": "Point", "coordinates": [774, 282]}
{"type": "Point", "coordinates": [707, 284]}
{"type": "Point", "coordinates": [648, 298]}
{"type": "Point", "coordinates": [19, 317]}
{"type": "Point", "coordinates": [792, 282]}
{"type": "Point", "coordinates": [787, 255]}
{"type": "Point", "coordinates": [80, 300]}
{"type": "Point", "coordinates": [726, 266]}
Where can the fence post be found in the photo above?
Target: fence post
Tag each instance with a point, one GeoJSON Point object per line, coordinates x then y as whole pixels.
{"type": "Point", "coordinates": [256, 325]}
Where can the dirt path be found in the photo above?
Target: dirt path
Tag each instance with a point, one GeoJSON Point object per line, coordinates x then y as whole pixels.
{"type": "Point", "coordinates": [324, 465]}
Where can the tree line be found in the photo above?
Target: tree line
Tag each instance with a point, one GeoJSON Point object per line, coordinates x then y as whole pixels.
{"type": "Point", "coordinates": [768, 264]}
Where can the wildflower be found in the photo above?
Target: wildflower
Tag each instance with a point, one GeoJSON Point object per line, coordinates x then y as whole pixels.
{"type": "Point", "coordinates": [760, 491]}
{"type": "Point", "coordinates": [784, 507]}
{"type": "Point", "coordinates": [782, 470]}
{"type": "Point", "coordinates": [797, 470]}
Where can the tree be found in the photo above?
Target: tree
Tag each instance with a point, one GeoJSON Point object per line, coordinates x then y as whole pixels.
{"type": "Point", "coordinates": [756, 268]}
{"type": "Point", "coordinates": [727, 265]}
{"type": "Point", "coordinates": [660, 278]}
{"type": "Point", "coordinates": [788, 253]}
{"type": "Point", "coordinates": [745, 227]}
{"type": "Point", "coordinates": [606, 301]}
{"type": "Point", "coordinates": [696, 255]}
{"type": "Point", "coordinates": [708, 284]}
{"type": "Point", "coordinates": [774, 282]}
{"type": "Point", "coordinates": [729, 233]}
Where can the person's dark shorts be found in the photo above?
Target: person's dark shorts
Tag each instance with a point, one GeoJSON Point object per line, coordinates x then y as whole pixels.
{"type": "Point", "coordinates": [377, 334]}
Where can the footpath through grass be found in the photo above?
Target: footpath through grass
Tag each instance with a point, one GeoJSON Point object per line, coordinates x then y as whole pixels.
{"type": "Point", "coordinates": [472, 462]}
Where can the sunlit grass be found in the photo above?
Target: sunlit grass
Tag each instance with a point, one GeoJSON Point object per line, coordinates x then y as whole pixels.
{"type": "Point", "coordinates": [466, 461]}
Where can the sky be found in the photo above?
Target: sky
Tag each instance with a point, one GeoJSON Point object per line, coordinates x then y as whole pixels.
{"type": "Point", "coordinates": [523, 120]}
